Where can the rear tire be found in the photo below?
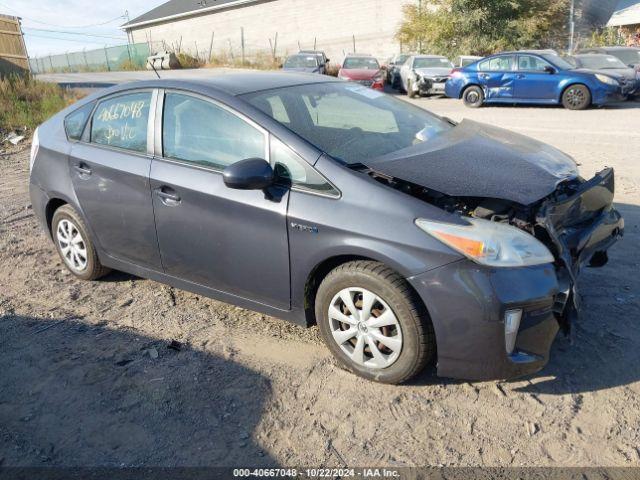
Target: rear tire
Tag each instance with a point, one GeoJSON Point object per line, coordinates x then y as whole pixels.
{"type": "Point", "coordinates": [386, 308]}
{"type": "Point", "coordinates": [473, 96]}
{"type": "Point", "coordinates": [576, 97]}
{"type": "Point", "coordinates": [71, 238]}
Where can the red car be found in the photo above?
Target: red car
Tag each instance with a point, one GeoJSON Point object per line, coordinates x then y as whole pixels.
{"type": "Point", "coordinates": [363, 69]}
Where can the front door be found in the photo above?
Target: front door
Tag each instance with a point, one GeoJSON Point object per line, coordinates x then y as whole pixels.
{"type": "Point", "coordinates": [234, 241]}
{"type": "Point", "coordinates": [533, 82]}
{"type": "Point", "coordinates": [110, 175]}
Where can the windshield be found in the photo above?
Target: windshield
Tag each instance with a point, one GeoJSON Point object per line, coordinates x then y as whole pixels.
{"type": "Point", "coordinates": [558, 61]}
{"type": "Point", "coordinates": [432, 63]}
{"type": "Point", "coordinates": [301, 61]}
{"type": "Point", "coordinates": [629, 57]}
{"type": "Point", "coordinates": [366, 63]}
{"type": "Point", "coordinates": [600, 62]}
{"type": "Point", "coordinates": [401, 59]}
{"type": "Point", "coordinates": [350, 122]}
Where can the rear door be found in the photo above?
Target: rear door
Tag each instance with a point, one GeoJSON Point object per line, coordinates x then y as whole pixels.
{"type": "Point", "coordinates": [234, 241]}
{"type": "Point", "coordinates": [109, 169]}
{"type": "Point", "coordinates": [533, 82]}
{"type": "Point", "coordinates": [496, 76]}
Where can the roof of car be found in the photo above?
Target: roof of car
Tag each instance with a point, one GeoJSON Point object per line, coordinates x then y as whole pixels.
{"type": "Point", "coordinates": [429, 56]}
{"type": "Point", "coordinates": [615, 47]}
{"type": "Point", "coordinates": [236, 83]}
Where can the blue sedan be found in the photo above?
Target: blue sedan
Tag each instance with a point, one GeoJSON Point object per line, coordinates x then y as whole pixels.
{"type": "Point", "coordinates": [535, 77]}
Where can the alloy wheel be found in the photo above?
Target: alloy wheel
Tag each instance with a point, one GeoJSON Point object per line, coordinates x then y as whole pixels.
{"type": "Point", "coordinates": [575, 97]}
{"type": "Point", "coordinates": [72, 246]}
{"type": "Point", "coordinates": [365, 328]}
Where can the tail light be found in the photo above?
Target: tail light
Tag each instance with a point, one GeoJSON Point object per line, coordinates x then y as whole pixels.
{"type": "Point", "coordinates": [35, 145]}
{"type": "Point", "coordinates": [455, 72]}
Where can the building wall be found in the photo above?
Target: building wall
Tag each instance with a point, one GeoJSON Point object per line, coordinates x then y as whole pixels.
{"type": "Point", "coordinates": [13, 53]}
{"type": "Point", "coordinates": [332, 24]}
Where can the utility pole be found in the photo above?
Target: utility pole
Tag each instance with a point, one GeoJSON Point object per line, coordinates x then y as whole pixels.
{"type": "Point", "coordinates": [572, 26]}
{"type": "Point", "coordinates": [420, 17]}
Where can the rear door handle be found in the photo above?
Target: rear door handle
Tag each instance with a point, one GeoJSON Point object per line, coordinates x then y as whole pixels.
{"type": "Point", "coordinates": [82, 169]}
{"type": "Point", "coordinates": [168, 196]}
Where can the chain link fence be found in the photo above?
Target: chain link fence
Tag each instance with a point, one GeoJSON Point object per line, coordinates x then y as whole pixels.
{"type": "Point", "coordinates": [122, 57]}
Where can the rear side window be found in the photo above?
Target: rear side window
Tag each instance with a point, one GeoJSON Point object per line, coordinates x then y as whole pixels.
{"type": "Point", "coordinates": [291, 169]}
{"type": "Point", "coordinates": [200, 132]}
{"type": "Point", "coordinates": [75, 122]}
{"type": "Point", "coordinates": [497, 64]}
{"type": "Point", "coordinates": [122, 122]}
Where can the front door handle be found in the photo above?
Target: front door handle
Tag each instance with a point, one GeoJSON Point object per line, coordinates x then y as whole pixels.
{"type": "Point", "coordinates": [168, 196]}
{"type": "Point", "coordinates": [82, 169]}
{"type": "Point", "coordinates": [520, 76]}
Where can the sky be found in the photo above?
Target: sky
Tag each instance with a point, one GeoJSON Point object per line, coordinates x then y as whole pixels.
{"type": "Point", "coordinates": [59, 26]}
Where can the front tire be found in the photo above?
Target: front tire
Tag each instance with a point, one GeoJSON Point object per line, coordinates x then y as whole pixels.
{"type": "Point", "coordinates": [71, 238]}
{"type": "Point", "coordinates": [576, 97]}
{"type": "Point", "coordinates": [374, 323]}
{"type": "Point", "coordinates": [410, 91]}
{"type": "Point", "coordinates": [473, 96]}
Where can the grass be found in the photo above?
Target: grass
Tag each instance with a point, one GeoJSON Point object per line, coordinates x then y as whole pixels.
{"type": "Point", "coordinates": [26, 102]}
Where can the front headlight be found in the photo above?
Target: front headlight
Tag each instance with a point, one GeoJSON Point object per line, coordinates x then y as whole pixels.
{"type": "Point", "coordinates": [606, 79]}
{"type": "Point", "coordinates": [489, 243]}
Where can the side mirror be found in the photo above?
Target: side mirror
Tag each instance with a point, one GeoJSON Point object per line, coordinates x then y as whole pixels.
{"type": "Point", "coordinates": [249, 174]}
{"type": "Point", "coordinates": [550, 69]}
{"type": "Point", "coordinates": [327, 60]}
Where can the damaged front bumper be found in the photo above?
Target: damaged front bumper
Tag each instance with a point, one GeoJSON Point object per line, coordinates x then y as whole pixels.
{"type": "Point", "coordinates": [430, 86]}
{"type": "Point", "coordinates": [468, 302]}
{"type": "Point", "coordinates": [581, 227]}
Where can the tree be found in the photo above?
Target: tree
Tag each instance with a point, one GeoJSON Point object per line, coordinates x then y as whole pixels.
{"type": "Point", "coordinates": [482, 27]}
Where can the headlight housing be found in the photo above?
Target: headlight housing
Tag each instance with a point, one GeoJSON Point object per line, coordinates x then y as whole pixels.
{"type": "Point", "coordinates": [607, 79]}
{"type": "Point", "coordinates": [489, 243]}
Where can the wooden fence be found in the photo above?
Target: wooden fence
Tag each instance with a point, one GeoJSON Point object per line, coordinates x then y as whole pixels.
{"type": "Point", "coordinates": [13, 52]}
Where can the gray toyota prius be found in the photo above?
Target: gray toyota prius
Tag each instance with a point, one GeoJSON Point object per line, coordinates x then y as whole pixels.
{"type": "Point", "coordinates": [406, 237]}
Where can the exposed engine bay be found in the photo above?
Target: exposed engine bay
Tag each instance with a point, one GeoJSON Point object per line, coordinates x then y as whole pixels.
{"type": "Point", "coordinates": [576, 222]}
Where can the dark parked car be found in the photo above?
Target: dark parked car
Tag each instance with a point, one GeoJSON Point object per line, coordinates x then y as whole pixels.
{"type": "Point", "coordinates": [393, 69]}
{"type": "Point", "coordinates": [318, 53]}
{"type": "Point", "coordinates": [363, 69]}
{"type": "Point", "coordinates": [628, 55]}
{"type": "Point", "coordinates": [532, 77]}
{"type": "Point", "coordinates": [628, 77]}
{"type": "Point", "coordinates": [321, 201]}
{"type": "Point", "coordinates": [304, 63]}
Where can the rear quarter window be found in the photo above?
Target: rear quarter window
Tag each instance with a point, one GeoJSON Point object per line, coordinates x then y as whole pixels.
{"type": "Point", "coordinates": [75, 122]}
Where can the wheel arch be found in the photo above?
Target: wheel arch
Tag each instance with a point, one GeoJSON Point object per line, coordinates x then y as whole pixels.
{"type": "Point", "coordinates": [52, 205]}
{"type": "Point", "coordinates": [573, 84]}
{"type": "Point", "coordinates": [467, 86]}
{"type": "Point", "coordinates": [322, 269]}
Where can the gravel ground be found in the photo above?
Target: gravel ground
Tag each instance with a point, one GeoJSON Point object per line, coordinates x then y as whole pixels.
{"type": "Point", "coordinates": [126, 371]}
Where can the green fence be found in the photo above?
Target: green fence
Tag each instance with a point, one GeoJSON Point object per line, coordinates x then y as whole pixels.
{"type": "Point", "coordinates": [122, 57]}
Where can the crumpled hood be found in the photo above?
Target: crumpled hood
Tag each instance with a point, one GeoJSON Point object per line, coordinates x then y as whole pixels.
{"type": "Point", "coordinates": [477, 160]}
{"type": "Point", "coordinates": [433, 72]}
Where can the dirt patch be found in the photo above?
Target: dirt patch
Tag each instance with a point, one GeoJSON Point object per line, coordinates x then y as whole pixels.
{"type": "Point", "coordinates": [126, 371]}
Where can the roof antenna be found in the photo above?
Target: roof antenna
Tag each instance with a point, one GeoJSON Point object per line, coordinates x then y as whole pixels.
{"type": "Point", "coordinates": [154, 68]}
